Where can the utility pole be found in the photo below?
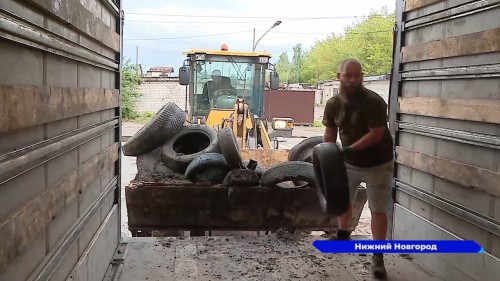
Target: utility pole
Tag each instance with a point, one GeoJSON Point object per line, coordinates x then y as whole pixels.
{"type": "Point", "coordinates": [137, 60]}
{"type": "Point", "coordinates": [253, 44]}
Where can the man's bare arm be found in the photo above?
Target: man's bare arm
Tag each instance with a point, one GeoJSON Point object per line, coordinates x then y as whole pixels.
{"type": "Point", "coordinates": [330, 134]}
{"type": "Point", "coordinates": [375, 135]}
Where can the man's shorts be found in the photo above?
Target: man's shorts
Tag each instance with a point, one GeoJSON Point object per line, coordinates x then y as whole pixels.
{"type": "Point", "coordinates": [378, 184]}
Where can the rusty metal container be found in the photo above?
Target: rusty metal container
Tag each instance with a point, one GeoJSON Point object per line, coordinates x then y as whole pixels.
{"type": "Point", "coordinates": [298, 105]}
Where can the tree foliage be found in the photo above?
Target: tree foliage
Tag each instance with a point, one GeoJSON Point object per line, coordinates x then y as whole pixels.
{"type": "Point", "coordinates": [130, 92]}
{"type": "Point", "coordinates": [368, 40]}
{"type": "Point", "coordinates": [283, 67]}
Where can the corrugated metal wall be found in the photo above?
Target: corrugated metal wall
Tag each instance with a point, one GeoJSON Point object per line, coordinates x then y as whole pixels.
{"type": "Point", "coordinates": [445, 115]}
{"type": "Point", "coordinates": [59, 132]}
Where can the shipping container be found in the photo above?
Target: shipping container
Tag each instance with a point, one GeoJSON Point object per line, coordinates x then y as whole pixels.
{"type": "Point", "coordinates": [445, 118]}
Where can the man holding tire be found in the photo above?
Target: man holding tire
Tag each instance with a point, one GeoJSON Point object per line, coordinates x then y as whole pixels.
{"type": "Point", "coordinates": [360, 117]}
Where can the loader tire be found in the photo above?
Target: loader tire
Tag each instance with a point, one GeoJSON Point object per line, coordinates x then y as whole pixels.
{"type": "Point", "coordinates": [209, 167]}
{"type": "Point", "coordinates": [189, 143]}
{"type": "Point", "coordinates": [229, 148]}
{"type": "Point", "coordinates": [331, 179]}
{"type": "Point", "coordinates": [259, 169]}
{"type": "Point", "coordinates": [241, 177]}
{"type": "Point", "coordinates": [289, 171]}
{"type": "Point", "coordinates": [164, 125]}
{"type": "Point", "coordinates": [303, 150]}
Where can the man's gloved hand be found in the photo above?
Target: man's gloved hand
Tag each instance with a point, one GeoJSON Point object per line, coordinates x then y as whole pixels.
{"type": "Point", "coordinates": [347, 150]}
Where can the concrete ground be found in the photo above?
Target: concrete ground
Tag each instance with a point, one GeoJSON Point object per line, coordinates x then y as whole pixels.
{"type": "Point", "coordinates": [269, 257]}
{"type": "Point", "coordinates": [252, 258]}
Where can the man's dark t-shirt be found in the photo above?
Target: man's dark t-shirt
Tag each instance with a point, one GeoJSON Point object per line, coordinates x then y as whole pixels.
{"type": "Point", "coordinates": [354, 120]}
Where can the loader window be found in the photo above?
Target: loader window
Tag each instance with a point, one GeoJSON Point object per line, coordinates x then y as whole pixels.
{"type": "Point", "coordinates": [219, 84]}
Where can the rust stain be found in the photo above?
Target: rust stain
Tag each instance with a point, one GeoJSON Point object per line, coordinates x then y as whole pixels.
{"type": "Point", "coordinates": [26, 106]}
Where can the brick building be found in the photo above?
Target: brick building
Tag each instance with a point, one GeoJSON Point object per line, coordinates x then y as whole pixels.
{"type": "Point", "coordinates": [157, 91]}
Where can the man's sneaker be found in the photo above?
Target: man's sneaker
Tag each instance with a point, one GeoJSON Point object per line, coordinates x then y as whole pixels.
{"type": "Point", "coordinates": [378, 267]}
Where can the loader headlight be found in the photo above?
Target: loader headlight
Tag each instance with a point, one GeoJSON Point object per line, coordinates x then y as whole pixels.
{"type": "Point", "coordinates": [282, 123]}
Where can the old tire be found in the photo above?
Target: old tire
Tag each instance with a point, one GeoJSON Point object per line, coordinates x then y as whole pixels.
{"type": "Point", "coordinates": [288, 171]}
{"type": "Point", "coordinates": [164, 125]}
{"type": "Point", "coordinates": [209, 167]}
{"type": "Point", "coordinates": [259, 169]}
{"type": "Point", "coordinates": [189, 143]}
{"type": "Point", "coordinates": [241, 177]}
{"type": "Point", "coordinates": [303, 150]}
{"type": "Point", "coordinates": [229, 148]}
{"type": "Point", "coordinates": [331, 176]}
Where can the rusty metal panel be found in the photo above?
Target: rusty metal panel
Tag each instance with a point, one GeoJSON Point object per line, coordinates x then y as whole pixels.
{"type": "Point", "coordinates": [445, 100]}
{"type": "Point", "coordinates": [59, 126]}
{"type": "Point", "coordinates": [298, 105]}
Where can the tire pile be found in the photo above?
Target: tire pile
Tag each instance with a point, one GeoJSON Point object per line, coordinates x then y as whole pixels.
{"type": "Point", "coordinates": [167, 148]}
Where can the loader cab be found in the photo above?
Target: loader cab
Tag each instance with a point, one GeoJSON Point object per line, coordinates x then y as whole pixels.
{"type": "Point", "coordinates": [217, 78]}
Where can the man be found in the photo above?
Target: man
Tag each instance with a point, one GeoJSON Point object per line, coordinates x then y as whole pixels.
{"type": "Point", "coordinates": [218, 83]}
{"type": "Point", "coordinates": [360, 116]}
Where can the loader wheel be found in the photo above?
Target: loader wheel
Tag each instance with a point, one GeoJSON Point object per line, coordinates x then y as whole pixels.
{"type": "Point", "coordinates": [164, 125]}
{"type": "Point", "coordinates": [189, 143]}
{"type": "Point", "coordinates": [259, 169]}
{"type": "Point", "coordinates": [289, 171]}
{"type": "Point", "coordinates": [229, 148]}
{"type": "Point", "coordinates": [209, 167]}
{"type": "Point", "coordinates": [331, 178]}
{"type": "Point", "coordinates": [303, 150]}
{"type": "Point", "coordinates": [241, 177]}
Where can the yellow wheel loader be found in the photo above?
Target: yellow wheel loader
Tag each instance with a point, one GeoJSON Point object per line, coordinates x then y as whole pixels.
{"type": "Point", "coordinates": [226, 89]}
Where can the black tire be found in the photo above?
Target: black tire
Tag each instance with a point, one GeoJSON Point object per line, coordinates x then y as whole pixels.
{"type": "Point", "coordinates": [259, 169]}
{"type": "Point", "coordinates": [288, 171]}
{"type": "Point", "coordinates": [229, 147]}
{"type": "Point", "coordinates": [241, 177]}
{"type": "Point", "coordinates": [332, 183]}
{"type": "Point", "coordinates": [209, 167]}
{"type": "Point", "coordinates": [164, 125]}
{"type": "Point", "coordinates": [303, 150]}
{"type": "Point", "coordinates": [189, 143]}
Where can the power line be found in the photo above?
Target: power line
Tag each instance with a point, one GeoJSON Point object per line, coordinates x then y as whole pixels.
{"type": "Point", "coordinates": [197, 22]}
{"type": "Point", "coordinates": [244, 31]}
{"type": "Point", "coordinates": [187, 37]}
{"type": "Point", "coordinates": [249, 17]}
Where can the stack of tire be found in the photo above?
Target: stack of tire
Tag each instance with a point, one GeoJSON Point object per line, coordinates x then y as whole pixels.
{"type": "Point", "coordinates": [165, 147]}
{"type": "Point", "coordinates": [329, 170]}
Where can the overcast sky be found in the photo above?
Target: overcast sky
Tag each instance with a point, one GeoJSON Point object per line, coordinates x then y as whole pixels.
{"type": "Point", "coordinates": [208, 24]}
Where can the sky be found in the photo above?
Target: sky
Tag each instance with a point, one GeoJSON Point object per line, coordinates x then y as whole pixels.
{"type": "Point", "coordinates": [163, 29]}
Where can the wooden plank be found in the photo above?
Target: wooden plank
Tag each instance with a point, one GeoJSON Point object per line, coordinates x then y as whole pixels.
{"type": "Point", "coordinates": [74, 13]}
{"type": "Point", "coordinates": [21, 228]}
{"type": "Point", "coordinates": [416, 4]}
{"type": "Point", "coordinates": [25, 106]}
{"type": "Point", "coordinates": [266, 157]}
{"type": "Point", "coordinates": [482, 42]}
{"type": "Point", "coordinates": [460, 173]}
{"type": "Point", "coordinates": [481, 110]}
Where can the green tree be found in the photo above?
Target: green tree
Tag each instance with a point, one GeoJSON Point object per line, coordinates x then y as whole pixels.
{"type": "Point", "coordinates": [283, 67]}
{"type": "Point", "coordinates": [369, 41]}
{"type": "Point", "coordinates": [130, 92]}
{"type": "Point", "coordinates": [297, 61]}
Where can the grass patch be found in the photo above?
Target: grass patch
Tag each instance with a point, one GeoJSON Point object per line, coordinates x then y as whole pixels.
{"type": "Point", "coordinates": [318, 124]}
{"type": "Point", "coordinates": [142, 118]}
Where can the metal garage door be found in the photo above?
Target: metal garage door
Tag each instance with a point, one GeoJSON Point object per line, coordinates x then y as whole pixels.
{"type": "Point", "coordinates": [59, 132]}
{"type": "Point", "coordinates": [445, 116]}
